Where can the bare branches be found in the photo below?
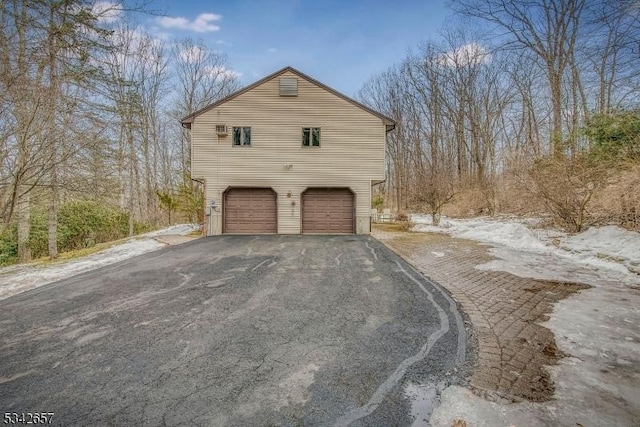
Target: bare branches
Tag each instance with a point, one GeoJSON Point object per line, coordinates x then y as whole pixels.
{"type": "Point", "coordinates": [549, 29]}
{"type": "Point", "coordinates": [202, 77]}
{"type": "Point", "coordinates": [470, 113]}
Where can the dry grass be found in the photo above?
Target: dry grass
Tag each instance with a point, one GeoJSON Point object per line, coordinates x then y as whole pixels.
{"type": "Point", "coordinates": [78, 253]}
{"type": "Point", "coordinates": [619, 202]}
{"type": "Point", "coordinates": [393, 226]}
{"type": "Point", "coordinates": [468, 202]}
{"type": "Point", "coordinates": [614, 201]}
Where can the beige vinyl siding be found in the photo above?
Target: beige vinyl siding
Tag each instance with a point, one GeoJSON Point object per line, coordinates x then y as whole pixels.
{"type": "Point", "coordinates": [351, 152]}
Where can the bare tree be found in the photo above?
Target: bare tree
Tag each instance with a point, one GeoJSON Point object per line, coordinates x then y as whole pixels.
{"type": "Point", "coordinates": [471, 113]}
{"type": "Point", "coordinates": [84, 112]}
{"type": "Point", "coordinates": [45, 51]}
{"type": "Point", "coordinates": [386, 94]}
{"type": "Point", "coordinates": [202, 76]}
{"type": "Point", "coordinates": [610, 50]}
{"type": "Point", "coordinates": [547, 28]}
{"type": "Point", "coordinates": [138, 71]}
{"type": "Point", "coordinates": [71, 35]}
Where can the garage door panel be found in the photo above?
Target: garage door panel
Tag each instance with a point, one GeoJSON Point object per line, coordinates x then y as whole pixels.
{"type": "Point", "coordinates": [250, 210]}
{"type": "Point", "coordinates": [327, 210]}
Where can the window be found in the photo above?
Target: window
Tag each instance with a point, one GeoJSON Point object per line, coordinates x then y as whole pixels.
{"type": "Point", "coordinates": [311, 137]}
{"type": "Point", "coordinates": [242, 136]}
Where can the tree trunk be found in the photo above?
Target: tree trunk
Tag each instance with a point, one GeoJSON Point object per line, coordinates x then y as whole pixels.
{"type": "Point", "coordinates": [132, 174]}
{"type": "Point", "coordinates": [435, 217]}
{"type": "Point", "coordinates": [52, 226]}
{"type": "Point", "coordinates": [24, 224]}
{"type": "Point", "coordinates": [556, 102]}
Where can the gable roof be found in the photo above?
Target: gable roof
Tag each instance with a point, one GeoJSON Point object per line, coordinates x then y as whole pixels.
{"type": "Point", "coordinates": [186, 121]}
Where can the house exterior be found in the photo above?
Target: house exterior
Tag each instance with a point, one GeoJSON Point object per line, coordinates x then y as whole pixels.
{"type": "Point", "coordinates": [287, 155]}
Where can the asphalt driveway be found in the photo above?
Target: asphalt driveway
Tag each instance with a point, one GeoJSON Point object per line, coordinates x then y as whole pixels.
{"type": "Point", "coordinates": [233, 330]}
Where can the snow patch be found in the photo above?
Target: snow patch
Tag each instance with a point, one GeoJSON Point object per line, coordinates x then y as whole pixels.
{"type": "Point", "coordinates": [511, 235]}
{"type": "Point", "coordinates": [179, 229]}
{"type": "Point", "coordinates": [20, 278]}
{"type": "Point", "coordinates": [610, 243]}
{"type": "Point", "coordinates": [33, 276]}
{"type": "Point", "coordinates": [607, 252]}
{"type": "Point", "coordinates": [597, 326]}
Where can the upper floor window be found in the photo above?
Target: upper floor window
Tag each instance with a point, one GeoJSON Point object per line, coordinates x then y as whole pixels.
{"type": "Point", "coordinates": [311, 137]}
{"type": "Point", "coordinates": [242, 136]}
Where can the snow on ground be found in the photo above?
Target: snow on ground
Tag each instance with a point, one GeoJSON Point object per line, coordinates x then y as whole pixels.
{"type": "Point", "coordinates": [510, 234]}
{"type": "Point", "coordinates": [179, 229]}
{"type": "Point", "coordinates": [598, 384]}
{"type": "Point", "coordinates": [611, 242]}
{"type": "Point", "coordinates": [21, 278]}
{"type": "Point", "coordinates": [610, 252]}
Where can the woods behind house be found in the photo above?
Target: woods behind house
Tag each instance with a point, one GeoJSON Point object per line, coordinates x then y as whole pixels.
{"type": "Point", "coordinates": [521, 107]}
{"type": "Point", "coordinates": [527, 107]}
{"type": "Point", "coordinates": [89, 112]}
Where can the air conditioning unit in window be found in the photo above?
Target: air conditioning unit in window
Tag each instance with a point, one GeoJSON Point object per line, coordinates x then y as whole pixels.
{"type": "Point", "coordinates": [221, 129]}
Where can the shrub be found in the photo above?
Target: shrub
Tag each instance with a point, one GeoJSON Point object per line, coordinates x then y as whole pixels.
{"type": "Point", "coordinates": [190, 195]}
{"type": "Point", "coordinates": [434, 191]}
{"type": "Point", "coordinates": [169, 201]}
{"type": "Point", "coordinates": [38, 238]}
{"type": "Point", "coordinates": [38, 235]}
{"type": "Point", "coordinates": [83, 223]}
{"type": "Point", "coordinates": [9, 245]}
{"type": "Point", "coordinates": [406, 225]}
{"type": "Point", "coordinates": [566, 187]}
{"type": "Point", "coordinates": [614, 135]}
{"type": "Point", "coordinates": [404, 221]}
{"type": "Point", "coordinates": [377, 201]}
{"type": "Point", "coordinates": [402, 216]}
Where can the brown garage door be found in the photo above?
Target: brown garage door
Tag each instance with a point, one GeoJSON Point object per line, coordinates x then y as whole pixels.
{"type": "Point", "coordinates": [250, 210]}
{"type": "Point", "coordinates": [327, 210]}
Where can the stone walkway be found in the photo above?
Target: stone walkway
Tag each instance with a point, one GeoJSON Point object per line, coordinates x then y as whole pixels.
{"type": "Point", "coordinates": [505, 311]}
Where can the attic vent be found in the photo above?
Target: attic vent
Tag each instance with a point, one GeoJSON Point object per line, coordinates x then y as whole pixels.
{"type": "Point", "coordinates": [288, 86]}
{"type": "Point", "coordinates": [221, 129]}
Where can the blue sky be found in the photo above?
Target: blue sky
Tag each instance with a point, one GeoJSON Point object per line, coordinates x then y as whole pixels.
{"type": "Point", "coordinates": [341, 43]}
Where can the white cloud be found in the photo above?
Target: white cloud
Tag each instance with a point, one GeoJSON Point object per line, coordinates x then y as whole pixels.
{"type": "Point", "coordinates": [139, 45]}
{"type": "Point", "coordinates": [222, 72]}
{"type": "Point", "coordinates": [192, 54]}
{"type": "Point", "coordinates": [470, 53]}
{"type": "Point", "coordinates": [106, 11]}
{"type": "Point", "coordinates": [202, 24]}
{"type": "Point", "coordinates": [272, 50]}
